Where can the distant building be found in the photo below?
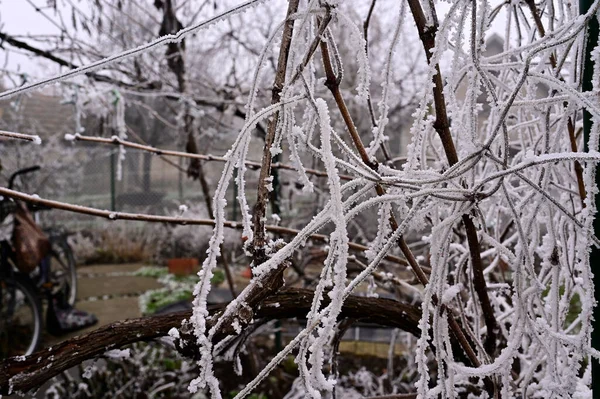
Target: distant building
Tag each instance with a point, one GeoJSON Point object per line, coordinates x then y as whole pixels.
{"type": "Point", "coordinates": [494, 45]}
{"type": "Point", "coordinates": [40, 114]}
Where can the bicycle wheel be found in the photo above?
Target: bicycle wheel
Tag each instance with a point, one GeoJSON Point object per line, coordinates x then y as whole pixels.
{"type": "Point", "coordinates": [20, 317]}
{"type": "Point", "coordinates": [62, 274]}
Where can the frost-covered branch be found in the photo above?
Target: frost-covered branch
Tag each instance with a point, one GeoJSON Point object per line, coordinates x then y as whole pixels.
{"type": "Point", "coordinates": [26, 373]}
{"type": "Point", "coordinates": [280, 230]}
{"type": "Point", "coordinates": [265, 171]}
{"type": "Point", "coordinates": [169, 38]}
{"type": "Point", "coordinates": [34, 138]}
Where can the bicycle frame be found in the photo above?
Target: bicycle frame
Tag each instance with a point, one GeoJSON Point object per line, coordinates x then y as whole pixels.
{"type": "Point", "coordinates": [11, 180]}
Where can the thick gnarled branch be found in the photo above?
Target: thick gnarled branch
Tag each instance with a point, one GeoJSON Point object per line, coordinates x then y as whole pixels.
{"type": "Point", "coordinates": [24, 374]}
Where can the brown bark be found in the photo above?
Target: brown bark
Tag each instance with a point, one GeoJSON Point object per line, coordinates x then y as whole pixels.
{"type": "Point", "coordinates": [170, 220]}
{"type": "Point", "coordinates": [262, 195]}
{"type": "Point", "coordinates": [441, 125]}
{"type": "Point", "coordinates": [202, 157]}
{"type": "Point", "coordinates": [332, 83]}
{"type": "Point", "coordinates": [34, 370]}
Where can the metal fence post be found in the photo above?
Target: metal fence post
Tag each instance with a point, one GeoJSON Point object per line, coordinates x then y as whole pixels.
{"type": "Point", "coordinates": [180, 181]}
{"type": "Point", "coordinates": [113, 200]}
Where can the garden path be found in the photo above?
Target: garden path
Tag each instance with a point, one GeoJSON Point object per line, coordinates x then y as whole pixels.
{"type": "Point", "coordinates": [110, 292]}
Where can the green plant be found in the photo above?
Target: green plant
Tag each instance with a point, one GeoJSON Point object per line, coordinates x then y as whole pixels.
{"type": "Point", "coordinates": [176, 288]}
{"type": "Point", "coordinates": [151, 271]}
{"type": "Point", "coordinates": [156, 299]}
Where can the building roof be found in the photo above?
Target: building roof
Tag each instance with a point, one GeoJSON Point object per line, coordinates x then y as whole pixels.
{"type": "Point", "coordinates": [39, 114]}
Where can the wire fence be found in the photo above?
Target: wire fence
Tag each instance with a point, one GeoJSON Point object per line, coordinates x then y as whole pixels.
{"type": "Point", "coordinates": [147, 184]}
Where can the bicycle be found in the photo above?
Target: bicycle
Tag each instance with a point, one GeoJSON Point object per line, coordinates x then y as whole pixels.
{"type": "Point", "coordinates": [21, 294]}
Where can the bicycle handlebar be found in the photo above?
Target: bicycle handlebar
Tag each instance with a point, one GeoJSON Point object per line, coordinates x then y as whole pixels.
{"type": "Point", "coordinates": [22, 172]}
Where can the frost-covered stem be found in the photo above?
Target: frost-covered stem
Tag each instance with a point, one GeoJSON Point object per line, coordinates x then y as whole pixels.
{"type": "Point", "coordinates": [366, 35]}
{"type": "Point", "coordinates": [590, 81]}
{"type": "Point", "coordinates": [262, 195]}
{"type": "Point", "coordinates": [211, 214]}
{"type": "Point", "coordinates": [314, 45]}
{"type": "Point", "coordinates": [576, 164]}
{"type": "Point", "coordinates": [22, 136]}
{"type": "Point", "coordinates": [34, 199]}
{"type": "Point", "coordinates": [480, 285]}
{"type": "Point", "coordinates": [366, 24]}
{"type": "Point", "coordinates": [540, 26]}
{"type": "Point", "coordinates": [195, 169]}
{"type": "Point", "coordinates": [441, 125]}
{"type": "Point", "coordinates": [342, 327]}
{"type": "Point", "coordinates": [137, 89]}
{"type": "Point", "coordinates": [457, 330]}
{"type": "Point", "coordinates": [132, 52]}
{"type": "Point", "coordinates": [332, 84]}
{"type": "Point", "coordinates": [570, 126]}
{"type": "Point", "coordinates": [8, 39]}
{"type": "Point", "coordinates": [427, 34]}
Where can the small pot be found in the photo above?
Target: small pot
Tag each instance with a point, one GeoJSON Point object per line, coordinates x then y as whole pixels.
{"type": "Point", "coordinates": [183, 266]}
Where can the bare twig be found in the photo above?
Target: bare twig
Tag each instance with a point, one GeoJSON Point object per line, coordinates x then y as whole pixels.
{"type": "Point", "coordinates": [262, 195]}
{"type": "Point", "coordinates": [332, 84]}
{"type": "Point", "coordinates": [204, 157]}
{"type": "Point", "coordinates": [22, 136]}
{"type": "Point", "coordinates": [427, 34]}
{"type": "Point", "coordinates": [34, 199]}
